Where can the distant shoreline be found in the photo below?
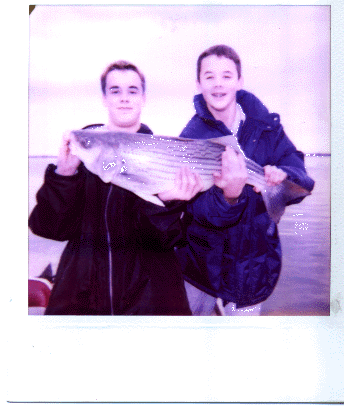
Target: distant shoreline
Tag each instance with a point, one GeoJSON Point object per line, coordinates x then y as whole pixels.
{"type": "Point", "coordinates": [42, 157]}
{"type": "Point", "coordinates": [318, 154]}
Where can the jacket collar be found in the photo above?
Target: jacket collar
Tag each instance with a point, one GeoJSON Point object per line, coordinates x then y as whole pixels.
{"type": "Point", "coordinates": [252, 107]}
{"type": "Point", "coordinates": [145, 129]}
{"type": "Point", "coordinates": [203, 111]}
{"type": "Point", "coordinates": [202, 108]}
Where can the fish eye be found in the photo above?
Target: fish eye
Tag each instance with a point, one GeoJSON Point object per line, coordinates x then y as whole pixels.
{"type": "Point", "coordinates": [87, 143]}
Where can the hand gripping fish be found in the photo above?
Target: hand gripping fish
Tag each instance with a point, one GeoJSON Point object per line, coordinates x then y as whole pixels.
{"type": "Point", "coordinates": [147, 164]}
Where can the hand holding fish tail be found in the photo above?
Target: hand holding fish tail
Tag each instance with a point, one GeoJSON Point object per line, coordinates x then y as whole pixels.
{"type": "Point", "coordinates": [273, 176]}
{"type": "Point", "coordinates": [67, 163]}
{"type": "Point", "coordinates": [233, 176]}
{"type": "Point", "coordinates": [186, 185]}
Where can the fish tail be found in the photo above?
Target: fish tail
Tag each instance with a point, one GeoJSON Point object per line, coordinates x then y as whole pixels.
{"type": "Point", "coordinates": [277, 197]}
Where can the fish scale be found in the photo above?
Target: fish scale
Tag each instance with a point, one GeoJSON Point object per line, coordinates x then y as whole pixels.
{"type": "Point", "coordinates": [147, 164]}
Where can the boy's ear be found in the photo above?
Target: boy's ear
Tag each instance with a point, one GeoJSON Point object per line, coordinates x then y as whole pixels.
{"type": "Point", "coordinates": [103, 99]}
{"type": "Point", "coordinates": [198, 86]}
{"type": "Point", "coordinates": [241, 82]}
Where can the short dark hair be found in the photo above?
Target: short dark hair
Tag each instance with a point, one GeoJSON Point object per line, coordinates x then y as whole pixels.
{"type": "Point", "coordinates": [219, 51]}
{"type": "Point", "coordinates": [121, 66]}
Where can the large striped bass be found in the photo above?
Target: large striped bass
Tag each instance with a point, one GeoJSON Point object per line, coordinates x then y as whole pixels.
{"type": "Point", "coordinates": [147, 164]}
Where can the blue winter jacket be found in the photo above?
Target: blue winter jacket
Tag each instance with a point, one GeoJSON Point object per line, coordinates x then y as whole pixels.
{"type": "Point", "coordinates": [234, 251]}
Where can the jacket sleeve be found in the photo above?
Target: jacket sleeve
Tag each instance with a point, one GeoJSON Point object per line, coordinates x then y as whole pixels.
{"type": "Point", "coordinates": [161, 226]}
{"type": "Point", "coordinates": [210, 208]}
{"type": "Point", "coordinates": [290, 160]}
{"type": "Point", "coordinates": [57, 213]}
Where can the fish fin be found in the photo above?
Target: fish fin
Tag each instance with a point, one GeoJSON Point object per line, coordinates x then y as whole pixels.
{"type": "Point", "coordinates": [149, 197]}
{"type": "Point", "coordinates": [277, 197]}
{"type": "Point", "coordinates": [229, 140]}
{"type": "Point", "coordinates": [134, 178]}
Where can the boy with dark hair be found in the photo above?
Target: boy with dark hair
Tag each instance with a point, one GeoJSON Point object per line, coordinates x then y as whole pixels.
{"type": "Point", "coordinates": [232, 259]}
{"type": "Point", "coordinates": [119, 259]}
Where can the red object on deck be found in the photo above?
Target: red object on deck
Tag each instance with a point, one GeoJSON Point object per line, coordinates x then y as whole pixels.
{"type": "Point", "coordinates": [39, 293]}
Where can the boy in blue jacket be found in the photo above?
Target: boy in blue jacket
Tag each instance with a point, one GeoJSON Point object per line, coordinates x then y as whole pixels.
{"type": "Point", "coordinates": [232, 258]}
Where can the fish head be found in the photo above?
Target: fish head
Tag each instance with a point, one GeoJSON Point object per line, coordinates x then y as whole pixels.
{"type": "Point", "coordinates": [86, 141]}
{"type": "Point", "coordinates": [85, 147]}
{"type": "Point", "coordinates": [83, 141]}
{"type": "Point", "coordinates": [98, 156]}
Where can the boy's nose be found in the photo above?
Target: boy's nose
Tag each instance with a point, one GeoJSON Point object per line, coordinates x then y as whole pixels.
{"type": "Point", "coordinates": [125, 97]}
{"type": "Point", "coordinates": [218, 81]}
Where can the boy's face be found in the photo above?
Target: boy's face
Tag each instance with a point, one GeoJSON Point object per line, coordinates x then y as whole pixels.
{"type": "Point", "coordinates": [219, 82]}
{"type": "Point", "coordinates": [124, 98]}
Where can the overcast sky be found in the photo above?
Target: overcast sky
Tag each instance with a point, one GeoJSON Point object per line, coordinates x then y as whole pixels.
{"type": "Point", "coordinates": [285, 52]}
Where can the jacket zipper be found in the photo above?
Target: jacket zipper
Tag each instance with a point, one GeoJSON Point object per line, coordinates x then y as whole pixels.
{"type": "Point", "coordinates": [108, 237]}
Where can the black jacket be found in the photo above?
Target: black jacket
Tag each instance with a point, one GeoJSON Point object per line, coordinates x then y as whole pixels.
{"type": "Point", "coordinates": [234, 251]}
{"type": "Point", "coordinates": [119, 258]}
